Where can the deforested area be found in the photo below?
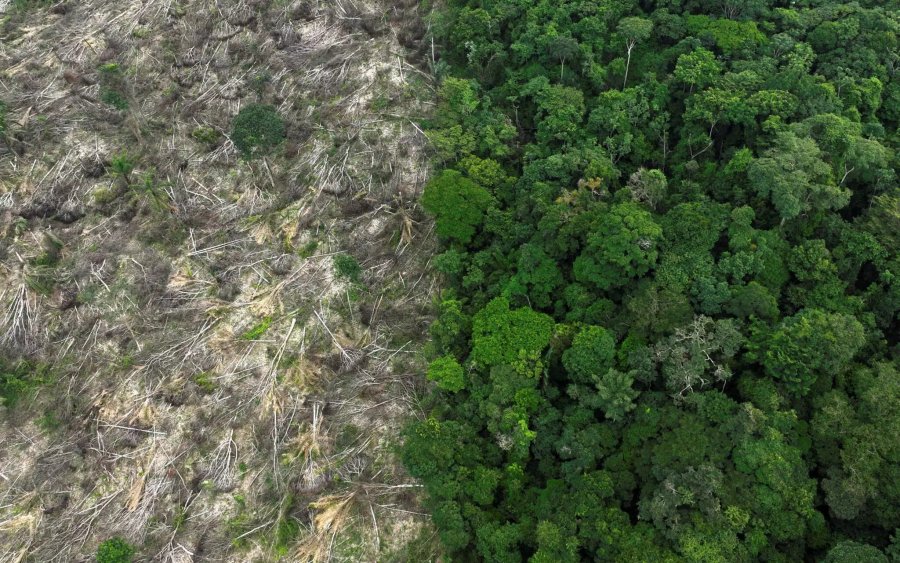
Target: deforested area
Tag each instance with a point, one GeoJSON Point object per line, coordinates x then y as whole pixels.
{"type": "Point", "coordinates": [213, 283]}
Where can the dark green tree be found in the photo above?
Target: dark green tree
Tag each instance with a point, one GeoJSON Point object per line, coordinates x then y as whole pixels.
{"type": "Point", "coordinates": [811, 344]}
{"type": "Point", "coordinates": [458, 204]}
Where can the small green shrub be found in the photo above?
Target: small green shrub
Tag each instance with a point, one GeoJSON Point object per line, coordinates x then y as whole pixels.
{"type": "Point", "coordinates": [257, 130]}
{"type": "Point", "coordinates": [122, 165]}
{"type": "Point", "coordinates": [112, 86]}
{"type": "Point", "coordinates": [205, 382]}
{"type": "Point", "coordinates": [40, 278]}
{"type": "Point", "coordinates": [109, 69]}
{"type": "Point", "coordinates": [17, 380]}
{"type": "Point", "coordinates": [346, 267]}
{"type": "Point", "coordinates": [181, 517]}
{"type": "Point", "coordinates": [206, 135]}
{"type": "Point", "coordinates": [102, 196]}
{"type": "Point", "coordinates": [259, 82]}
{"type": "Point", "coordinates": [113, 98]}
{"type": "Point", "coordinates": [308, 249]}
{"type": "Point", "coordinates": [115, 550]}
{"type": "Point", "coordinates": [20, 225]}
{"type": "Point", "coordinates": [48, 422]}
{"type": "Point", "coordinates": [3, 111]}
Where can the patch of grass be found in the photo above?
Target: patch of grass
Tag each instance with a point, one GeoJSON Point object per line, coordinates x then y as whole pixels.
{"type": "Point", "coordinates": [380, 102]}
{"type": "Point", "coordinates": [346, 267]}
{"type": "Point", "coordinates": [351, 546]}
{"type": "Point", "coordinates": [87, 295]}
{"type": "Point", "coordinates": [48, 422]}
{"type": "Point", "coordinates": [25, 5]}
{"type": "Point", "coordinates": [308, 249]}
{"type": "Point", "coordinates": [424, 548]}
{"type": "Point", "coordinates": [113, 98]}
{"type": "Point", "coordinates": [205, 382]}
{"type": "Point", "coordinates": [287, 529]}
{"type": "Point", "coordinates": [41, 279]}
{"type": "Point", "coordinates": [240, 524]}
{"type": "Point", "coordinates": [347, 437]}
{"type": "Point", "coordinates": [50, 256]}
{"type": "Point", "coordinates": [102, 196]}
{"type": "Point", "coordinates": [258, 329]}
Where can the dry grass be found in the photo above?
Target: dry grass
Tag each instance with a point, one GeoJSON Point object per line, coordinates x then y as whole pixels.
{"type": "Point", "coordinates": [208, 362]}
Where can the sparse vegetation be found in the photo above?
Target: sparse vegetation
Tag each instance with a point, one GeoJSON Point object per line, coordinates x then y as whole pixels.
{"type": "Point", "coordinates": [3, 112]}
{"type": "Point", "coordinates": [259, 329]}
{"type": "Point", "coordinates": [347, 267]}
{"type": "Point", "coordinates": [205, 341]}
{"type": "Point", "coordinates": [112, 86]}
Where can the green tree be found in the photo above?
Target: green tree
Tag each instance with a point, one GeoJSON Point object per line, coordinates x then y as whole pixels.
{"type": "Point", "coordinates": [794, 177]}
{"type": "Point", "coordinates": [634, 30]}
{"type": "Point", "coordinates": [648, 187]}
{"type": "Point", "coordinates": [447, 373]}
{"type": "Point", "coordinates": [590, 355]}
{"type": "Point", "coordinates": [810, 344]}
{"type": "Point", "coordinates": [500, 335]}
{"type": "Point", "coordinates": [698, 355]}
{"type": "Point", "coordinates": [560, 113]}
{"type": "Point", "coordinates": [697, 69]}
{"type": "Point", "coordinates": [539, 274]}
{"type": "Point", "coordinates": [458, 204]}
{"type": "Point", "coordinates": [852, 552]}
{"type": "Point", "coordinates": [563, 49]}
{"type": "Point", "coordinates": [623, 246]}
{"type": "Point", "coordinates": [614, 395]}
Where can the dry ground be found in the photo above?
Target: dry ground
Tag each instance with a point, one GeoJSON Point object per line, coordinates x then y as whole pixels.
{"type": "Point", "coordinates": [212, 389]}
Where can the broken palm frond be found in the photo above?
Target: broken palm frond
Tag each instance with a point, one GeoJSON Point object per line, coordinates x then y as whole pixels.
{"type": "Point", "coordinates": [333, 514]}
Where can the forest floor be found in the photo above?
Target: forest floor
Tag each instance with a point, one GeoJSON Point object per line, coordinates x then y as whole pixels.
{"type": "Point", "coordinates": [222, 352]}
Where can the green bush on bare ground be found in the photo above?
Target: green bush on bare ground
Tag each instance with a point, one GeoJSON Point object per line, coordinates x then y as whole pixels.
{"type": "Point", "coordinates": [115, 550]}
{"type": "Point", "coordinates": [257, 130]}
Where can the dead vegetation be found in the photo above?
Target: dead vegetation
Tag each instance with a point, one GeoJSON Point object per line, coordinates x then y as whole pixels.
{"type": "Point", "coordinates": [220, 391]}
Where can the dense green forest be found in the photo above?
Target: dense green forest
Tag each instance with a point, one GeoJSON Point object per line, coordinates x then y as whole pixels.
{"type": "Point", "coordinates": [669, 329]}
